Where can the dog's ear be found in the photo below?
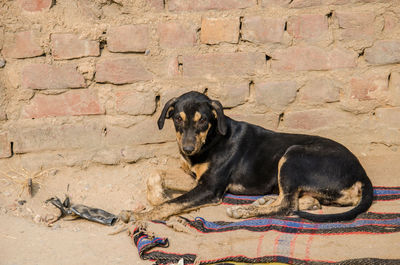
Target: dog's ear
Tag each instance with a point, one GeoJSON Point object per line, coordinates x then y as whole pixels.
{"type": "Point", "coordinates": [166, 112]}
{"type": "Point", "coordinates": [221, 119]}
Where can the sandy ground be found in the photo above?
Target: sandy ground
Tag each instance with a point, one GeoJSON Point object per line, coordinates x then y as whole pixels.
{"type": "Point", "coordinates": [26, 239]}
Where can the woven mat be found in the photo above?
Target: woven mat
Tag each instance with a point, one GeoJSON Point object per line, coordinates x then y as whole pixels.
{"type": "Point", "coordinates": [211, 237]}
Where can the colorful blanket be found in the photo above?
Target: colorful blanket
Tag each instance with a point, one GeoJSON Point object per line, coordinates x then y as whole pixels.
{"type": "Point", "coordinates": [372, 238]}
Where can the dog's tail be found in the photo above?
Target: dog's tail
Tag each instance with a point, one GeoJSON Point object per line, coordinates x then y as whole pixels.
{"type": "Point", "coordinates": [367, 197]}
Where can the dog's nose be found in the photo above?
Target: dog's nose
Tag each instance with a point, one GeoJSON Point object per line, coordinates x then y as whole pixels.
{"type": "Point", "coordinates": [188, 149]}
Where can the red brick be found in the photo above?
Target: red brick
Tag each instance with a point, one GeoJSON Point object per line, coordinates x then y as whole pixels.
{"type": "Point", "coordinates": [175, 34]}
{"type": "Point", "coordinates": [23, 45]}
{"type": "Point", "coordinates": [35, 5]}
{"type": "Point", "coordinates": [5, 146]}
{"type": "Point", "coordinates": [310, 27]}
{"type": "Point", "coordinates": [202, 5]}
{"type": "Point", "coordinates": [72, 103]}
{"type": "Point", "coordinates": [46, 76]}
{"type": "Point", "coordinates": [276, 95]}
{"type": "Point", "coordinates": [383, 52]}
{"type": "Point", "coordinates": [306, 58]}
{"type": "Point", "coordinates": [356, 26]}
{"type": "Point", "coordinates": [128, 101]}
{"type": "Point", "coordinates": [223, 64]}
{"type": "Point", "coordinates": [217, 30]}
{"type": "Point", "coordinates": [121, 71]}
{"type": "Point", "coordinates": [319, 91]}
{"type": "Point", "coordinates": [368, 86]}
{"type": "Point", "coordinates": [394, 89]}
{"type": "Point", "coordinates": [390, 117]}
{"type": "Point", "coordinates": [263, 30]}
{"type": "Point", "coordinates": [128, 38]}
{"type": "Point", "coordinates": [69, 46]}
{"type": "Point", "coordinates": [314, 119]}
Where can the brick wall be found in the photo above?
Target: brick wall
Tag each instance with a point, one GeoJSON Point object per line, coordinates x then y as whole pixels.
{"type": "Point", "coordinates": [83, 81]}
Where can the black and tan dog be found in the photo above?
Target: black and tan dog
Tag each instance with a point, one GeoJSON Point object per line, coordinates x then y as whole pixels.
{"type": "Point", "coordinates": [225, 155]}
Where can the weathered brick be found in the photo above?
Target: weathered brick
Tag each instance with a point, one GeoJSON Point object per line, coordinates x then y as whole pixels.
{"type": "Point", "coordinates": [269, 3]}
{"type": "Point", "coordinates": [394, 89]}
{"type": "Point", "coordinates": [175, 34]}
{"type": "Point", "coordinates": [368, 86]}
{"type": "Point", "coordinates": [383, 52]}
{"type": "Point", "coordinates": [1, 37]}
{"type": "Point", "coordinates": [306, 58]}
{"type": "Point", "coordinates": [263, 30]}
{"type": "Point", "coordinates": [121, 71]}
{"type": "Point", "coordinates": [202, 5]}
{"type": "Point", "coordinates": [144, 132]}
{"type": "Point", "coordinates": [5, 146]}
{"type": "Point", "coordinates": [391, 22]}
{"type": "Point", "coordinates": [230, 95]}
{"type": "Point", "coordinates": [69, 46]}
{"type": "Point", "coordinates": [314, 119]}
{"type": "Point", "coordinates": [128, 38]}
{"type": "Point", "coordinates": [217, 30]}
{"type": "Point", "coordinates": [305, 3]}
{"type": "Point", "coordinates": [35, 5]}
{"type": "Point", "coordinates": [23, 44]}
{"type": "Point", "coordinates": [276, 95]}
{"type": "Point", "coordinates": [72, 103]}
{"type": "Point", "coordinates": [390, 117]}
{"type": "Point", "coordinates": [319, 91]}
{"type": "Point", "coordinates": [309, 27]}
{"type": "Point", "coordinates": [40, 135]}
{"type": "Point", "coordinates": [128, 101]}
{"type": "Point", "coordinates": [46, 76]}
{"type": "Point", "coordinates": [265, 120]}
{"type": "Point", "coordinates": [223, 64]}
{"type": "Point", "coordinates": [156, 4]}
{"type": "Point", "coordinates": [356, 26]}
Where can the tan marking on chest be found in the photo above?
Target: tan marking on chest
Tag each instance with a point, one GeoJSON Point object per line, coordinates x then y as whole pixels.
{"type": "Point", "coordinates": [200, 169]}
{"type": "Point", "coordinates": [185, 166]}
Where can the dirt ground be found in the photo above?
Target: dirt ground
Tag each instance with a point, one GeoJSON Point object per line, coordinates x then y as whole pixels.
{"type": "Point", "coordinates": [26, 239]}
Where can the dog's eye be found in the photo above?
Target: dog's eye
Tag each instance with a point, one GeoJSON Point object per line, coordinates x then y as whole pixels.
{"type": "Point", "coordinates": [178, 119]}
{"type": "Point", "coordinates": [202, 120]}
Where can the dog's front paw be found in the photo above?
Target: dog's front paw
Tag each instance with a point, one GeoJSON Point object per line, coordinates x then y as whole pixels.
{"type": "Point", "coordinates": [238, 212]}
{"type": "Point", "coordinates": [155, 189]}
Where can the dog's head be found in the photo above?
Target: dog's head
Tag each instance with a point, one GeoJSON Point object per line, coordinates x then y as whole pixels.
{"type": "Point", "coordinates": [195, 118]}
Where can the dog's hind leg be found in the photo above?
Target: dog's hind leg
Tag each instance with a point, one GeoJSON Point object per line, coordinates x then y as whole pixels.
{"type": "Point", "coordinates": [283, 204]}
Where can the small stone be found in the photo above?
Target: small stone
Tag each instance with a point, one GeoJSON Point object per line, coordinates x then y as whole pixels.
{"type": "Point", "coordinates": [37, 219]}
{"type": "Point", "coordinates": [2, 63]}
